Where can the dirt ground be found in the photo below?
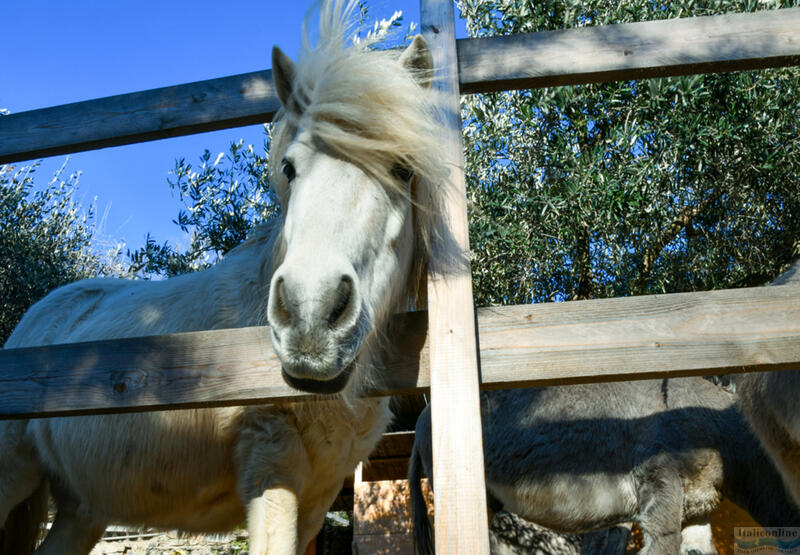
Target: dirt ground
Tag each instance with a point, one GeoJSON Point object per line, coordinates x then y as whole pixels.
{"type": "Point", "coordinates": [150, 543]}
{"type": "Point", "coordinates": [172, 544]}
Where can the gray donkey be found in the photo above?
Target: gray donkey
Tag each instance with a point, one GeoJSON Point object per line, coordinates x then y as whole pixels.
{"type": "Point", "coordinates": [770, 402]}
{"type": "Point", "coordinates": [577, 458]}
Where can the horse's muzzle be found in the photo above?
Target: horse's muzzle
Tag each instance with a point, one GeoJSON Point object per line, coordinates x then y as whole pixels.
{"type": "Point", "coordinates": [321, 387]}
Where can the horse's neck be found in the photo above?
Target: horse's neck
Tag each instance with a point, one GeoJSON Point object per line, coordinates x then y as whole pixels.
{"type": "Point", "coordinates": [362, 414]}
{"type": "Point", "coordinates": [238, 288]}
{"type": "Point", "coordinates": [750, 477]}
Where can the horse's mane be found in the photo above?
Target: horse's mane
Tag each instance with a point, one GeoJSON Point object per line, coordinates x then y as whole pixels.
{"type": "Point", "coordinates": [361, 105]}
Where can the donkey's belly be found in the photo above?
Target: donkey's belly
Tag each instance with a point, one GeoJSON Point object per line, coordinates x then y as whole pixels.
{"type": "Point", "coordinates": [171, 469]}
{"type": "Point", "coordinates": [570, 502]}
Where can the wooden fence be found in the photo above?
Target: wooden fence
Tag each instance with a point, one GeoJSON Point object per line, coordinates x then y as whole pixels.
{"type": "Point", "coordinates": [577, 342]}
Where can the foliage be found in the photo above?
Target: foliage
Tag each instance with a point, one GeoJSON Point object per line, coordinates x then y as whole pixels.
{"type": "Point", "coordinates": [660, 185]}
{"type": "Point", "coordinates": [45, 241]}
{"type": "Point", "coordinates": [224, 199]}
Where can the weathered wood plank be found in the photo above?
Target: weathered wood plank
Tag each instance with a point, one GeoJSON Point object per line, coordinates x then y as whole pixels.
{"type": "Point", "coordinates": [188, 369]}
{"type": "Point", "coordinates": [586, 55]}
{"type": "Point", "coordinates": [210, 105]}
{"type": "Point", "coordinates": [460, 494]}
{"type": "Point", "coordinates": [656, 336]}
{"type": "Point", "coordinates": [184, 370]}
{"type": "Point", "coordinates": [631, 51]}
{"type": "Point", "coordinates": [389, 459]}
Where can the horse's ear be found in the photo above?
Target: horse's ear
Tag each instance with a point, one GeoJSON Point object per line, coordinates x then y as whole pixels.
{"type": "Point", "coordinates": [282, 74]}
{"type": "Point", "coordinates": [418, 60]}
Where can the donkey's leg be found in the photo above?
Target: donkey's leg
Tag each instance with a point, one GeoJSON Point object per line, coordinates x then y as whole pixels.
{"type": "Point", "coordinates": [660, 506]}
{"type": "Point", "coordinates": [697, 539]}
{"type": "Point", "coordinates": [272, 467]}
{"type": "Point", "coordinates": [71, 534]}
{"type": "Point", "coordinates": [609, 541]}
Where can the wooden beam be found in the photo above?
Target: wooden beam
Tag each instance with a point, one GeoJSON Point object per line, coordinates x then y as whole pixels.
{"type": "Point", "coordinates": [655, 336]}
{"type": "Point", "coordinates": [731, 42]}
{"type": "Point", "coordinates": [763, 39]}
{"type": "Point", "coordinates": [389, 459]}
{"type": "Point", "coordinates": [197, 107]}
{"type": "Point", "coordinates": [183, 370]}
{"type": "Point", "coordinates": [189, 369]}
{"type": "Point", "coordinates": [460, 496]}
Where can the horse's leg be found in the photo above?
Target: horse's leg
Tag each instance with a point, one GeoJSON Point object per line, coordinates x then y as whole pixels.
{"type": "Point", "coordinates": [660, 507]}
{"type": "Point", "coordinates": [20, 473]}
{"type": "Point", "coordinates": [697, 539]}
{"type": "Point", "coordinates": [312, 515]}
{"type": "Point", "coordinates": [272, 466]}
{"type": "Point", "coordinates": [23, 491]}
{"type": "Point", "coordinates": [272, 521]}
{"type": "Point", "coordinates": [18, 481]}
{"type": "Point", "coordinates": [71, 534]}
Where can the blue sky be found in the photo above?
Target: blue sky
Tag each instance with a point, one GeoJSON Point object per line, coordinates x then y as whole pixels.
{"type": "Point", "coordinates": [59, 52]}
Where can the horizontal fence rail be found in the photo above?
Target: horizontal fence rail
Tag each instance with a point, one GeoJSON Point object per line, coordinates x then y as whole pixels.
{"type": "Point", "coordinates": [569, 57]}
{"type": "Point", "coordinates": [731, 42]}
{"type": "Point", "coordinates": [210, 105]}
{"type": "Point", "coordinates": [656, 336]}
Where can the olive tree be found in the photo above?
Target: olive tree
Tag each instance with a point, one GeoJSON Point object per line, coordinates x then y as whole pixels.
{"type": "Point", "coordinates": [224, 197]}
{"type": "Point", "coordinates": [659, 185]}
{"type": "Point", "coordinates": [45, 241]}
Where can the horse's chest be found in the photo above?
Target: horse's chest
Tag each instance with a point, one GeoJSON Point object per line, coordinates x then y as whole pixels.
{"type": "Point", "coordinates": [337, 442]}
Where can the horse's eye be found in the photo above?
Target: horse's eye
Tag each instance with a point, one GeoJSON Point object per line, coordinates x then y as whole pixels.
{"type": "Point", "coordinates": [402, 173]}
{"type": "Point", "coordinates": [287, 169]}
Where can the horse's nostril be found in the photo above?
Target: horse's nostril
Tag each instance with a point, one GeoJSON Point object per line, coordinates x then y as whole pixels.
{"type": "Point", "coordinates": [342, 299]}
{"type": "Point", "coordinates": [281, 312]}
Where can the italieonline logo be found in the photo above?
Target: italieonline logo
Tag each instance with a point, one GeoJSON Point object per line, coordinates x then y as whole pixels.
{"type": "Point", "coordinates": [765, 541]}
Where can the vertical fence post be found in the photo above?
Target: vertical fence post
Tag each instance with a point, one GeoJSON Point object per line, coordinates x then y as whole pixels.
{"type": "Point", "coordinates": [459, 489]}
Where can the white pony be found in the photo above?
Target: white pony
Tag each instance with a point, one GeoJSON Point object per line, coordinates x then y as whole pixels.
{"type": "Point", "coordinates": [354, 141]}
{"type": "Point", "coordinates": [770, 402]}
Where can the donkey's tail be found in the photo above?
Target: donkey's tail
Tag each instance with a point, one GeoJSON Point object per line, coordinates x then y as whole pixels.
{"type": "Point", "coordinates": [423, 532]}
{"type": "Point", "coordinates": [23, 526]}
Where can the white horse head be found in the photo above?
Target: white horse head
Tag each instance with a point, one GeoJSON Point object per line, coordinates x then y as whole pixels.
{"type": "Point", "coordinates": [353, 138]}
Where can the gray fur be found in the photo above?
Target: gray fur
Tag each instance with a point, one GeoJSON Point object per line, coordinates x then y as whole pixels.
{"type": "Point", "coordinates": [661, 453]}
{"type": "Point", "coordinates": [770, 402]}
